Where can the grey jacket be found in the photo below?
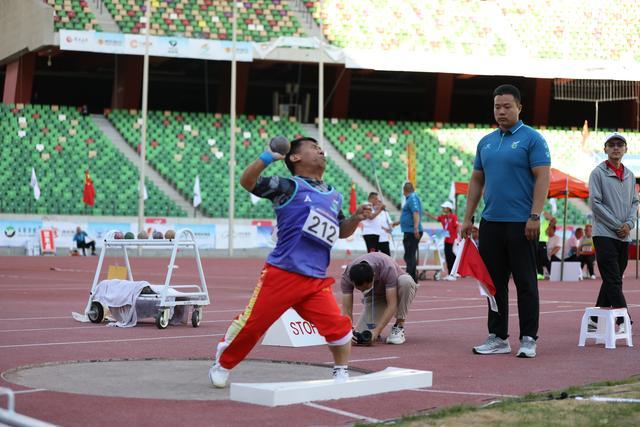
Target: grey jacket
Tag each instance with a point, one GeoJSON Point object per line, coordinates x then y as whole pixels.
{"type": "Point", "coordinates": [612, 201]}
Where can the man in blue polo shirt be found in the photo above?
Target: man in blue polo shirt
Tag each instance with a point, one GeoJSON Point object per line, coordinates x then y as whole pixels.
{"type": "Point", "coordinates": [512, 166]}
{"type": "Point", "coordinates": [411, 227]}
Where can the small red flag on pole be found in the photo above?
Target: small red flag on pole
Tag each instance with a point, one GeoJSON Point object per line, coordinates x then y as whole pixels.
{"type": "Point", "coordinates": [89, 194]}
{"type": "Point", "coordinates": [469, 263]}
{"type": "Point", "coordinates": [353, 201]}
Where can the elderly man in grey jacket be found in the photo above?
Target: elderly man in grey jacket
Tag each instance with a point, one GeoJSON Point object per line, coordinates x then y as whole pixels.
{"type": "Point", "coordinates": [614, 202]}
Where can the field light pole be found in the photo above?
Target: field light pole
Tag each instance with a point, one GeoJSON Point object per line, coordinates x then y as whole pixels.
{"type": "Point", "coordinates": [232, 149]}
{"type": "Point", "coordinates": [143, 134]}
{"type": "Point", "coordinates": [320, 81]}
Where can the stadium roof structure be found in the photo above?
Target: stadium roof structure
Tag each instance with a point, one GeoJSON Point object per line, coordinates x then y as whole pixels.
{"type": "Point", "coordinates": [504, 52]}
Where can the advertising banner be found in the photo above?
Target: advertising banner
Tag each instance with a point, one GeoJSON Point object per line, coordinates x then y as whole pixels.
{"type": "Point", "coordinates": [18, 233]}
{"type": "Point", "coordinates": [134, 44]}
{"type": "Point", "coordinates": [63, 232]}
{"type": "Point", "coordinates": [205, 234]}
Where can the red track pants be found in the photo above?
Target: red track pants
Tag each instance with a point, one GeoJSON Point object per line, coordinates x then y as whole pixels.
{"type": "Point", "coordinates": [276, 291]}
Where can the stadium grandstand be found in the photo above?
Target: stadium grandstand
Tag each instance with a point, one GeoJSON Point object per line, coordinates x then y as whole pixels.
{"type": "Point", "coordinates": [395, 74]}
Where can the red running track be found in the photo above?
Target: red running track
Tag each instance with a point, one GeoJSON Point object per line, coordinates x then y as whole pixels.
{"type": "Point", "coordinates": [38, 294]}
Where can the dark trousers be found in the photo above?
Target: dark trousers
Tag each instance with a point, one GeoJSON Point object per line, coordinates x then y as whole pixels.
{"type": "Point", "coordinates": [85, 245]}
{"type": "Point", "coordinates": [542, 260]}
{"type": "Point", "coordinates": [588, 261]}
{"type": "Point", "coordinates": [612, 256]}
{"type": "Point", "coordinates": [410, 244]}
{"type": "Point", "coordinates": [506, 251]}
{"type": "Point", "coordinates": [449, 255]}
{"type": "Point", "coordinates": [375, 245]}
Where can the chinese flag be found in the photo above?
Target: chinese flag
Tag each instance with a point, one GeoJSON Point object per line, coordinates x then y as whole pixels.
{"type": "Point", "coordinates": [469, 263]}
{"type": "Point", "coordinates": [353, 202]}
{"type": "Point", "coordinates": [89, 196]}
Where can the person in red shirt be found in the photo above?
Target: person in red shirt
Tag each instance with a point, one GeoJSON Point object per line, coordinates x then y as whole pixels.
{"type": "Point", "coordinates": [449, 222]}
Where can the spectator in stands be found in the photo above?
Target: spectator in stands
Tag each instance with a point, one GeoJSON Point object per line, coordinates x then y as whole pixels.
{"type": "Point", "coordinates": [614, 202]}
{"type": "Point", "coordinates": [586, 252]}
{"type": "Point", "coordinates": [375, 230]}
{"type": "Point", "coordinates": [411, 226]}
{"type": "Point", "coordinates": [449, 222]}
{"type": "Point", "coordinates": [571, 245]}
{"type": "Point", "coordinates": [511, 168]}
{"type": "Point", "coordinates": [387, 292]}
{"type": "Point", "coordinates": [554, 245]}
{"type": "Point", "coordinates": [83, 241]}
{"type": "Point", "coordinates": [84, 110]}
{"type": "Point", "coordinates": [310, 221]}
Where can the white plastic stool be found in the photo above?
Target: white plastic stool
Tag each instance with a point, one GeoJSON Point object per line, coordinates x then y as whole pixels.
{"type": "Point", "coordinates": [606, 329]}
{"type": "Point", "coordinates": [571, 271]}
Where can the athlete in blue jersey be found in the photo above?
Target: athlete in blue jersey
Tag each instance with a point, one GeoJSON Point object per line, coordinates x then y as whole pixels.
{"type": "Point", "coordinates": [310, 221]}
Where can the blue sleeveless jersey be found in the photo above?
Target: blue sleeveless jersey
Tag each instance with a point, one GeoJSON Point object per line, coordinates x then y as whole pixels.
{"type": "Point", "coordinates": [307, 230]}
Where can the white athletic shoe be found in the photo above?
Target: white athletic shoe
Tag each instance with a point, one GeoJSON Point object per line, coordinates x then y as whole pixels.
{"type": "Point", "coordinates": [396, 336]}
{"type": "Point", "coordinates": [450, 278]}
{"type": "Point", "coordinates": [218, 375]}
{"type": "Point", "coordinates": [340, 375]}
{"type": "Point", "coordinates": [493, 345]}
{"type": "Point", "coordinates": [527, 347]}
{"type": "Point", "coordinates": [593, 277]}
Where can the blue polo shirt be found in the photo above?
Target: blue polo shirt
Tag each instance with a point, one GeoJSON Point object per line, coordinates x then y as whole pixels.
{"type": "Point", "coordinates": [411, 205]}
{"type": "Point", "coordinates": [506, 159]}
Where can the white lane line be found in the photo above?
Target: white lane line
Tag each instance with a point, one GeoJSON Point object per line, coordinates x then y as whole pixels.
{"type": "Point", "coordinates": [35, 390]}
{"type": "Point", "coordinates": [50, 329]}
{"type": "Point", "coordinates": [365, 360]}
{"type": "Point", "coordinates": [511, 303]}
{"type": "Point", "coordinates": [177, 337]}
{"type": "Point", "coordinates": [484, 317]}
{"type": "Point", "coordinates": [341, 412]}
{"type": "Point", "coordinates": [90, 327]}
{"type": "Point", "coordinates": [469, 393]}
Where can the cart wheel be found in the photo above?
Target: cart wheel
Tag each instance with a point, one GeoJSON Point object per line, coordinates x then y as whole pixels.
{"type": "Point", "coordinates": [162, 319]}
{"type": "Point", "coordinates": [195, 317]}
{"type": "Point", "coordinates": [96, 313]}
{"type": "Point", "coordinates": [436, 276]}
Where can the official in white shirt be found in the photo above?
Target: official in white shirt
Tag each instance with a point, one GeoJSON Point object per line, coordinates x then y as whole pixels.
{"type": "Point", "coordinates": [376, 229]}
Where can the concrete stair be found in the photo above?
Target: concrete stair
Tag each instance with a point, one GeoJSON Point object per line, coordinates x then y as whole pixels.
{"type": "Point", "coordinates": [114, 136]}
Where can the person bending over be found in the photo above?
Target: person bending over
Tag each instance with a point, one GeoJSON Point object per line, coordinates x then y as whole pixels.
{"type": "Point", "coordinates": [387, 292]}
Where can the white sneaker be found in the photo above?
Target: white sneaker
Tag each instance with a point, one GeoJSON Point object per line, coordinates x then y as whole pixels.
{"type": "Point", "coordinates": [493, 345]}
{"type": "Point", "coordinates": [593, 277]}
{"type": "Point", "coordinates": [450, 278]}
{"type": "Point", "coordinates": [527, 347]}
{"type": "Point", "coordinates": [219, 375]}
{"type": "Point", "coordinates": [340, 375]}
{"type": "Point", "coordinates": [396, 336]}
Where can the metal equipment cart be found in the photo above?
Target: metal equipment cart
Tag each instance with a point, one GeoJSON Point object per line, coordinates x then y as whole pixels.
{"type": "Point", "coordinates": [169, 295]}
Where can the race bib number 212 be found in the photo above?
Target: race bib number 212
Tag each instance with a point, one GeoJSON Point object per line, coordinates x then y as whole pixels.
{"type": "Point", "coordinates": [321, 227]}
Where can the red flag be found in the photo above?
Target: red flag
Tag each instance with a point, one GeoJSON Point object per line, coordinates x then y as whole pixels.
{"type": "Point", "coordinates": [89, 196]}
{"type": "Point", "coordinates": [353, 201]}
{"type": "Point", "coordinates": [469, 263]}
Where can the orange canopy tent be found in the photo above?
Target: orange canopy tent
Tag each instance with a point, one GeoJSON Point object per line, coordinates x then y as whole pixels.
{"type": "Point", "coordinates": [562, 186]}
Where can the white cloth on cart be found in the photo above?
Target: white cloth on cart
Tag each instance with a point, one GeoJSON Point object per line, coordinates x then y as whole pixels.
{"type": "Point", "coordinates": [120, 296]}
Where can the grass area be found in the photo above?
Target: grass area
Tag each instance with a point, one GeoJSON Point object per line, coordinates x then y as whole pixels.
{"type": "Point", "coordinates": [543, 409]}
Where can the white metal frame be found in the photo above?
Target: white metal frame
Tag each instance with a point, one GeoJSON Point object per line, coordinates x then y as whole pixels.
{"type": "Point", "coordinates": [184, 239]}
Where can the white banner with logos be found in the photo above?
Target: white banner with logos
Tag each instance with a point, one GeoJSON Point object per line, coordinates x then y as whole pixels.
{"type": "Point", "coordinates": [134, 44]}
